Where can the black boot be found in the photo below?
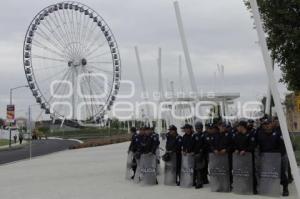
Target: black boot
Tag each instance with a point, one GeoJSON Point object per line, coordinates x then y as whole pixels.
{"type": "Point", "coordinates": [205, 181]}
{"type": "Point", "coordinates": [285, 192]}
{"type": "Point", "coordinates": [255, 192]}
{"type": "Point", "coordinates": [199, 186]}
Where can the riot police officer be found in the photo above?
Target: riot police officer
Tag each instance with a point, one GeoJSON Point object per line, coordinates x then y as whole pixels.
{"type": "Point", "coordinates": [211, 137]}
{"type": "Point", "coordinates": [148, 145]}
{"type": "Point", "coordinates": [270, 141]}
{"type": "Point", "coordinates": [244, 141]}
{"type": "Point", "coordinates": [200, 174]}
{"type": "Point", "coordinates": [219, 145]}
{"type": "Point", "coordinates": [276, 127]}
{"type": "Point", "coordinates": [156, 143]}
{"type": "Point", "coordinates": [134, 140]}
{"type": "Point", "coordinates": [133, 147]}
{"type": "Point", "coordinates": [187, 161]}
{"type": "Point", "coordinates": [149, 141]}
{"type": "Point", "coordinates": [187, 139]}
{"type": "Point", "coordinates": [222, 144]}
{"type": "Point", "coordinates": [173, 146]}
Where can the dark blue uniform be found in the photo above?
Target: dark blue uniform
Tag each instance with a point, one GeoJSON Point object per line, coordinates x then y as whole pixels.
{"type": "Point", "coordinates": [199, 143]}
{"type": "Point", "coordinates": [199, 149]}
{"type": "Point", "coordinates": [273, 143]}
{"type": "Point", "coordinates": [270, 142]}
{"type": "Point", "coordinates": [133, 147]}
{"type": "Point", "coordinates": [187, 143]}
{"type": "Point", "coordinates": [246, 142]}
{"type": "Point", "coordinates": [155, 141]}
{"type": "Point", "coordinates": [211, 139]}
{"type": "Point", "coordinates": [148, 144]}
{"type": "Point", "coordinates": [219, 141]}
{"type": "Point", "coordinates": [134, 143]}
{"type": "Point", "coordinates": [174, 145]}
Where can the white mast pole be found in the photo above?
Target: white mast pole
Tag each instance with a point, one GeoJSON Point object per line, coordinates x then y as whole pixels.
{"type": "Point", "coordinates": [142, 79]}
{"type": "Point", "coordinates": [185, 48]}
{"type": "Point", "coordinates": [181, 108]}
{"type": "Point", "coordinates": [268, 101]}
{"type": "Point", "coordinates": [160, 81]}
{"type": "Point", "coordinates": [180, 73]}
{"type": "Point", "coordinates": [275, 94]}
{"type": "Point", "coordinates": [269, 98]}
{"type": "Point", "coordinates": [161, 89]}
{"type": "Point", "coordinates": [173, 100]}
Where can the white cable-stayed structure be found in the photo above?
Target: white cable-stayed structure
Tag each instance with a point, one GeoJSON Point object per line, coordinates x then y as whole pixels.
{"type": "Point", "coordinates": [179, 106]}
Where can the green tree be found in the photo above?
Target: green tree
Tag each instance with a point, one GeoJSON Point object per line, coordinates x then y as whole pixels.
{"type": "Point", "coordinates": [282, 25]}
{"type": "Point", "coordinates": [115, 123]}
{"type": "Point", "coordinates": [2, 122]}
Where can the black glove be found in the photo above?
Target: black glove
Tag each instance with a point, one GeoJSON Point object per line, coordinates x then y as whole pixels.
{"type": "Point", "coordinates": [166, 157]}
{"type": "Point", "coordinates": [137, 155]}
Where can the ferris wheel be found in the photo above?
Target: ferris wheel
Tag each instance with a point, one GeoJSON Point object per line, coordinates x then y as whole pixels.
{"type": "Point", "coordinates": [72, 62]}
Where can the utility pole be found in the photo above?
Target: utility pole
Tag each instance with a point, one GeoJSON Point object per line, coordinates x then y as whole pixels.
{"type": "Point", "coordinates": [29, 132]}
{"type": "Point", "coordinates": [10, 123]}
{"type": "Point", "coordinates": [10, 103]}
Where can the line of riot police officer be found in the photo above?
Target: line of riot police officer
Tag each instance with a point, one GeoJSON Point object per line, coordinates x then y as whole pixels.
{"type": "Point", "coordinates": [218, 139]}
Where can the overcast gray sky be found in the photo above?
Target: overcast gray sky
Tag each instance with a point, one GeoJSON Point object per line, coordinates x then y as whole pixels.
{"type": "Point", "coordinates": [218, 32]}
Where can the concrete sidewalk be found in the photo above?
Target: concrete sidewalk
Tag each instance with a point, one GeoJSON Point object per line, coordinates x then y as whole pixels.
{"type": "Point", "coordinates": [87, 174]}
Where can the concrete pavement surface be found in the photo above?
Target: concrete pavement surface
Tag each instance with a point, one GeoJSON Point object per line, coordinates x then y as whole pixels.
{"type": "Point", "coordinates": [87, 174]}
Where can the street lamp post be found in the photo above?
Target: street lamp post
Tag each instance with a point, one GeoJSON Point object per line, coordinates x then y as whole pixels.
{"type": "Point", "coordinates": [10, 102]}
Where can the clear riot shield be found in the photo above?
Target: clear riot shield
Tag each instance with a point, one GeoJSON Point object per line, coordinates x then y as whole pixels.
{"type": "Point", "coordinates": [170, 170]}
{"type": "Point", "coordinates": [158, 168]}
{"type": "Point", "coordinates": [199, 161]}
{"type": "Point", "coordinates": [187, 170]}
{"type": "Point", "coordinates": [129, 171]}
{"type": "Point", "coordinates": [137, 177]}
{"type": "Point", "coordinates": [219, 173]}
{"type": "Point", "coordinates": [269, 174]}
{"type": "Point", "coordinates": [242, 171]}
{"type": "Point", "coordinates": [148, 169]}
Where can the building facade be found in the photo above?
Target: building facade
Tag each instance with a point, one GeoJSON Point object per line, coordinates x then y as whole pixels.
{"type": "Point", "coordinates": [292, 103]}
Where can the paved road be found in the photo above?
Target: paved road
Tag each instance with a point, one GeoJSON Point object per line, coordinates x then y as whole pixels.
{"type": "Point", "coordinates": [39, 147]}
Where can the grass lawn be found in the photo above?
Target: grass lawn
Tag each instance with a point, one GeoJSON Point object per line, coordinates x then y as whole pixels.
{"type": "Point", "coordinates": [3, 142]}
{"type": "Point", "coordinates": [88, 133]}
